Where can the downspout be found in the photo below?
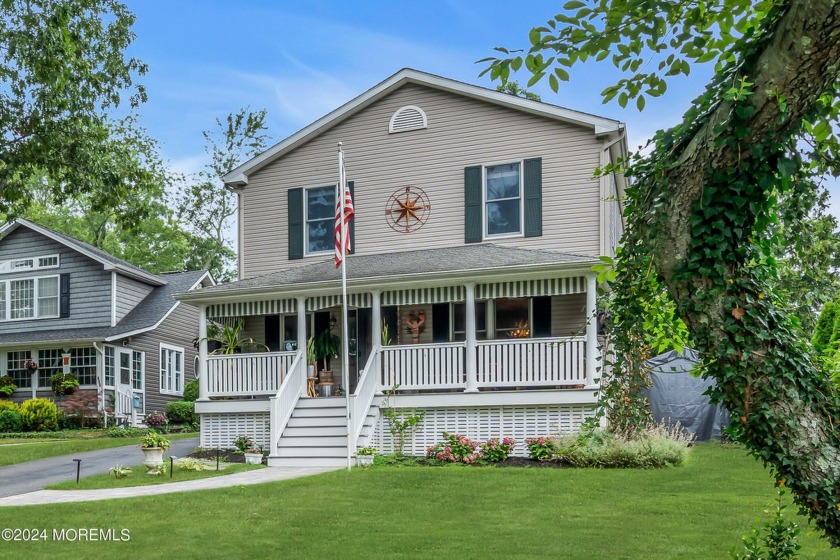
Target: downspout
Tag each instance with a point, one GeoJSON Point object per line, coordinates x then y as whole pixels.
{"type": "Point", "coordinates": [100, 379]}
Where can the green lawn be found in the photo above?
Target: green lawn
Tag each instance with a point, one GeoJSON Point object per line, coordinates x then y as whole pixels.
{"type": "Point", "coordinates": [697, 511]}
{"type": "Point", "coordinates": [138, 477]}
{"type": "Point", "coordinates": [19, 451]}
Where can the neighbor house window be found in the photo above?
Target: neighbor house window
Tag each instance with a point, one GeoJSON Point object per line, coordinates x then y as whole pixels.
{"type": "Point", "coordinates": [513, 318]}
{"type": "Point", "coordinates": [49, 363]}
{"type": "Point", "coordinates": [319, 212]}
{"type": "Point", "coordinates": [29, 298]}
{"type": "Point", "coordinates": [137, 370]}
{"type": "Point", "coordinates": [16, 370]}
{"type": "Point", "coordinates": [503, 199]}
{"type": "Point", "coordinates": [83, 364]}
{"type": "Point", "coordinates": [110, 366]}
{"type": "Point", "coordinates": [171, 369]}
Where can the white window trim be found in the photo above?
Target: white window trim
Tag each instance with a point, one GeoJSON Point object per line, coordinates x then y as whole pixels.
{"type": "Point", "coordinates": [105, 365]}
{"type": "Point", "coordinates": [6, 286]}
{"type": "Point", "coordinates": [170, 347]}
{"type": "Point", "coordinates": [521, 233]}
{"type": "Point", "coordinates": [142, 388]}
{"type": "Point", "coordinates": [7, 266]}
{"type": "Point", "coordinates": [306, 251]}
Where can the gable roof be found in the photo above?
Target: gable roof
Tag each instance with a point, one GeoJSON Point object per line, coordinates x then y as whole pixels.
{"type": "Point", "coordinates": [599, 125]}
{"type": "Point", "coordinates": [109, 261]}
{"type": "Point", "coordinates": [148, 315]}
{"type": "Point", "coordinates": [469, 262]}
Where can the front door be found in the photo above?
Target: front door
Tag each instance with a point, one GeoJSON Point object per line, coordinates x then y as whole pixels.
{"type": "Point", "coordinates": [123, 400]}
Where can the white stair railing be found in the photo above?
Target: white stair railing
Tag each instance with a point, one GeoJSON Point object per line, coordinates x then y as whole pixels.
{"type": "Point", "coordinates": [366, 389]}
{"type": "Point", "coordinates": [283, 403]}
{"type": "Point", "coordinates": [124, 406]}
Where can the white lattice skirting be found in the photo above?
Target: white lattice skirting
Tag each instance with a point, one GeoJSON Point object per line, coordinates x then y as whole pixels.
{"type": "Point", "coordinates": [219, 430]}
{"type": "Point", "coordinates": [483, 423]}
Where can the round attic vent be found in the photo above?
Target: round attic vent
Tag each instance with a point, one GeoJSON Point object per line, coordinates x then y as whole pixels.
{"type": "Point", "coordinates": [407, 118]}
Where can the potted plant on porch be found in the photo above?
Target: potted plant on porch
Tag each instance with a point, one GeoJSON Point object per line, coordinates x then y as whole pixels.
{"type": "Point", "coordinates": [326, 346]}
{"type": "Point", "coordinates": [153, 445]}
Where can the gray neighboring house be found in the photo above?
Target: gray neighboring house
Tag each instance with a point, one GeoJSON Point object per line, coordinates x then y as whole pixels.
{"type": "Point", "coordinates": [119, 328]}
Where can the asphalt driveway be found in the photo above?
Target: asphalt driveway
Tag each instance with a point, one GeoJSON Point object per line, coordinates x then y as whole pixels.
{"type": "Point", "coordinates": [36, 475]}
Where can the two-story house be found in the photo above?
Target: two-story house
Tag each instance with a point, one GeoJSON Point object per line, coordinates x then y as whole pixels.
{"type": "Point", "coordinates": [478, 217]}
{"type": "Point", "coordinates": [70, 307]}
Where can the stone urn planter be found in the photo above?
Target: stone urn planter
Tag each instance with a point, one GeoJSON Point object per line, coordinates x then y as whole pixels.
{"type": "Point", "coordinates": [253, 458]}
{"type": "Point", "coordinates": [153, 459]}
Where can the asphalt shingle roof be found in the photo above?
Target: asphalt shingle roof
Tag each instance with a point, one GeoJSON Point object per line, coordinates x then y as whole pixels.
{"type": "Point", "coordinates": [448, 259]}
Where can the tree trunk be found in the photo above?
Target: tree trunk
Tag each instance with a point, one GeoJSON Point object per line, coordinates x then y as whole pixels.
{"type": "Point", "coordinates": [788, 410]}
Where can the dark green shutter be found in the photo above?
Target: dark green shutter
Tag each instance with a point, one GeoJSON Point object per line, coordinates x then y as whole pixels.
{"type": "Point", "coordinates": [533, 197]}
{"type": "Point", "coordinates": [64, 296]}
{"type": "Point", "coordinates": [351, 185]}
{"type": "Point", "coordinates": [472, 204]}
{"type": "Point", "coordinates": [295, 224]}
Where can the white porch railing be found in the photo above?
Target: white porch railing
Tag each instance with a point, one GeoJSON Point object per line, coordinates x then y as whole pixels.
{"type": "Point", "coordinates": [124, 406]}
{"type": "Point", "coordinates": [366, 389]}
{"type": "Point", "coordinates": [232, 375]}
{"type": "Point", "coordinates": [531, 362]}
{"type": "Point", "coordinates": [283, 403]}
{"type": "Point", "coordinates": [424, 366]}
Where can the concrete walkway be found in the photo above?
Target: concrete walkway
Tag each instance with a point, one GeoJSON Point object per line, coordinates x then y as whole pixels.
{"type": "Point", "coordinates": [270, 474]}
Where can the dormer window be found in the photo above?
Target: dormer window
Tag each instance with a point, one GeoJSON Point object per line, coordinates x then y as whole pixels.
{"type": "Point", "coordinates": [408, 118]}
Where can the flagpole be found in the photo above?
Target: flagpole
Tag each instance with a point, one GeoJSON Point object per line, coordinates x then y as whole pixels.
{"type": "Point", "coordinates": [345, 347]}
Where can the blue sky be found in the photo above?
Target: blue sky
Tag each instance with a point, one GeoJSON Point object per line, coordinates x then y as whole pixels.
{"type": "Point", "coordinates": [300, 60]}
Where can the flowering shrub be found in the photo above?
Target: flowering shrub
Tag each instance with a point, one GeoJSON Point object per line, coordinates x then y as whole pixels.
{"type": "Point", "coordinates": [541, 448]}
{"type": "Point", "coordinates": [156, 420]}
{"type": "Point", "coordinates": [454, 448]}
{"type": "Point", "coordinates": [494, 451]}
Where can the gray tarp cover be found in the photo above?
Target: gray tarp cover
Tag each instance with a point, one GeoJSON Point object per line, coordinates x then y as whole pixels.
{"type": "Point", "coordinates": [677, 396]}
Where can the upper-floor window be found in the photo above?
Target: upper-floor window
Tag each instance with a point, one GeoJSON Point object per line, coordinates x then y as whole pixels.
{"type": "Point", "coordinates": [503, 199]}
{"type": "Point", "coordinates": [319, 213]}
{"type": "Point", "coordinates": [29, 263]}
{"type": "Point", "coordinates": [29, 298]}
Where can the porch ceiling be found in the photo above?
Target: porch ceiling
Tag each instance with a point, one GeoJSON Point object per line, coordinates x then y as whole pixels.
{"type": "Point", "coordinates": [478, 263]}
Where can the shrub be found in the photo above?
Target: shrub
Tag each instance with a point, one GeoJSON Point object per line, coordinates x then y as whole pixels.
{"type": "Point", "coordinates": [243, 444]}
{"type": "Point", "coordinates": [495, 452]}
{"type": "Point", "coordinates": [189, 464]}
{"type": "Point", "coordinates": [658, 446]}
{"type": "Point", "coordinates": [191, 390]}
{"type": "Point", "coordinates": [454, 448]}
{"type": "Point", "coordinates": [82, 409]}
{"type": "Point", "coordinates": [9, 405]}
{"type": "Point", "coordinates": [64, 384]}
{"type": "Point", "coordinates": [7, 386]}
{"type": "Point", "coordinates": [119, 471]}
{"type": "Point", "coordinates": [776, 539]}
{"type": "Point", "coordinates": [181, 412]}
{"type": "Point", "coordinates": [39, 415]}
{"type": "Point", "coordinates": [10, 421]}
{"type": "Point", "coordinates": [156, 420]}
{"type": "Point", "coordinates": [118, 432]}
{"type": "Point", "coordinates": [541, 448]}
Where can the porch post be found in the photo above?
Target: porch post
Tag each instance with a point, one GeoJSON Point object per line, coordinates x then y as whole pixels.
{"type": "Point", "coordinates": [591, 329]}
{"type": "Point", "coordinates": [376, 319]}
{"type": "Point", "coordinates": [470, 360]}
{"type": "Point", "coordinates": [301, 327]}
{"type": "Point", "coordinates": [203, 381]}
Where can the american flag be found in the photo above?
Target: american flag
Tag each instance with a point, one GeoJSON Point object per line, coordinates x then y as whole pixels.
{"type": "Point", "coordinates": [342, 222]}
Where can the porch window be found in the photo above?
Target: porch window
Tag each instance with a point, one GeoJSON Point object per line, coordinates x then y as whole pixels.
{"type": "Point", "coordinates": [320, 219]}
{"type": "Point", "coordinates": [459, 321]}
{"type": "Point", "coordinates": [513, 318]}
{"type": "Point", "coordinates": [83, 364]}
{"type": "Point", "coordinates": [49, 363]}
{"type": "Point", "coordinates": [171, 369]}
{"type": "Point", "coordinates": [14, 368]}
{"type": "Point", "coordinates": [503, 199]}
{"type": "Point", "coordinates": [110, 367]}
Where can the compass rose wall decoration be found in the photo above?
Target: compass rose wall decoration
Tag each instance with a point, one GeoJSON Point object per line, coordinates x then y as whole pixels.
{"type": "Point", "coordinates": [407, 209]}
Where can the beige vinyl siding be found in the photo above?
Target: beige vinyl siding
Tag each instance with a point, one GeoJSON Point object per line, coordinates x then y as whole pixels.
{"type": "Point", "coordinates": [178, 329]}
{"type": "Point", "coordinates": [130, 292]}
{"type": "Point", "coordinates": [568, 315]}
{"type": "Point", "coordinates": [254, 327]}
{"type": "Point", "coordinates": [462, 132]}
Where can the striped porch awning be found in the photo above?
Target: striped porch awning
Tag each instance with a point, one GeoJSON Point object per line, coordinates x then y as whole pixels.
{"type": "Point", "coordinates": [246, 308]}
{"type": "Point", "coordinates": [424, 296]}
{"type": "Point", "coordinates": [324, 302]}
{"type": "Point", "coordinates": [530, 288]}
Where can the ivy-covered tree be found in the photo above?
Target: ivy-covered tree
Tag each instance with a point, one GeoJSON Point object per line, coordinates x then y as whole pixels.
{"type": "Point", "coordinates": [63, 75]}
{"type": "Point", "coordinates": [703, 204]}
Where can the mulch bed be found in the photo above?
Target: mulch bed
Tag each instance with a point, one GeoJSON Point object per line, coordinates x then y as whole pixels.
{"type": "Point", "coordinates": [225, 455]}
{"type": "Point", "coordinates": [531, 463]}
{"type": "Point", "coordinates": [510, 462]}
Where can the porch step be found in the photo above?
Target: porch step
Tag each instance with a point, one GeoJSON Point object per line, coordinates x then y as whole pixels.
{"type": "Point", "coordinates": [310, 452]}
{"type": "Point", "coordinates": [318, 412]}
{"type": "Point", "coordinates": [307, 462]}
{"type": "Point", "coordinates": [316, 421]}
{"type": "Point", "coordinates": [322, 402]}
{"type": "Point", "coordinates": [312, 438]}
{"type": "Point", "coordinates": [314, 431]}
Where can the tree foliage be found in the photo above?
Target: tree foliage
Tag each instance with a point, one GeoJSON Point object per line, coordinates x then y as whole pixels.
{"type": "Point", "coordinates": [63, 74]}
{"type": "Point", "coordinates": [704, 207]}
{"type": "Point", "coordinates": [204, 203]}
